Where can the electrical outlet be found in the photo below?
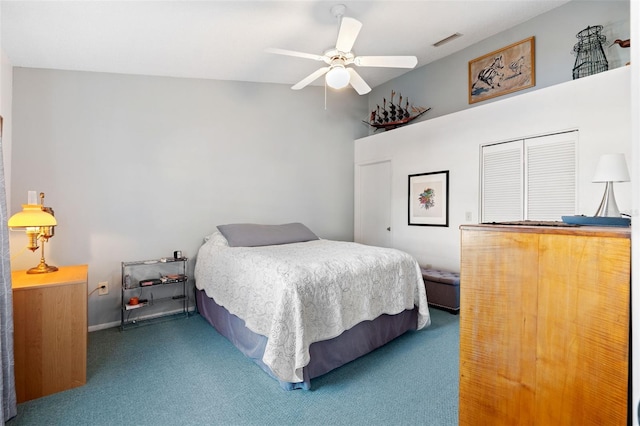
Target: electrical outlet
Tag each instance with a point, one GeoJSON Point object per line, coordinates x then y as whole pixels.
{"type": "Point", "coordinates": [103, 288]}
{"type": "Point", "coordinates": [468, 216]}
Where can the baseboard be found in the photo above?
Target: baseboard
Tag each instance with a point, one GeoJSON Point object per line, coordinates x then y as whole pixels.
{"type": "Point", "coordinates": [117, 323]}
{"type": "Point", "coordinates": [104, 326]}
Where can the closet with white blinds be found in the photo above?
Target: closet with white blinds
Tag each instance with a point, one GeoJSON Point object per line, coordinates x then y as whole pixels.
{"type": "Point", "coordinates": [529, 179]}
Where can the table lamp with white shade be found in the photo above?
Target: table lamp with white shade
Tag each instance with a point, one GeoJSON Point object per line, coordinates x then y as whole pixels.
{"type": "Point", "coordinates": [611, 168]}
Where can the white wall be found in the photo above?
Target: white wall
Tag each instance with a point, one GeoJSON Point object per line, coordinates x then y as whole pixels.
{"type": "Point", "coordinates": [443, 84]}
{"type": "Point", "coordinates": [598, 106]}
{"type": "Point", "coordinates": [136, 167]}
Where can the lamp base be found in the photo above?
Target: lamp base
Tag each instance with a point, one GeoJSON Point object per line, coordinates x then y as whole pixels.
{"type": "Point", "coordinates": [608, 206]}
{"type": "Point", "coordinates": [42, 268]}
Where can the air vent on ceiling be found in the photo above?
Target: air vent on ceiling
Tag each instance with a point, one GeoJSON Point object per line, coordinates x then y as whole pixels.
{"type": "Point", "coordinates": [447, 39]}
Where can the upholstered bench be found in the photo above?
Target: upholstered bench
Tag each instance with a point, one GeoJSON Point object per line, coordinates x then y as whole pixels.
{"type": "Point", "coordinates": [443, 288]}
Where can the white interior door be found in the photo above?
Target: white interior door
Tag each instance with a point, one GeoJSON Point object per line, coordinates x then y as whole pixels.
{"type": "Point", "coordinates": [373, 204]}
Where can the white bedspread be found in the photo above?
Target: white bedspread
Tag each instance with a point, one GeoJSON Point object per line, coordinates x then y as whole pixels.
{"type": "Point", "coordinates": [300, 293]}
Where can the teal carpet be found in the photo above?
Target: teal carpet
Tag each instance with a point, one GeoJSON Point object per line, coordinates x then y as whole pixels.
{"type": "Point", "coordinates": [183, 372]}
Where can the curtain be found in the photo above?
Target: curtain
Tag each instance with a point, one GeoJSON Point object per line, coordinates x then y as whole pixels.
{"type": "Point", "coordinates": [9, 404]}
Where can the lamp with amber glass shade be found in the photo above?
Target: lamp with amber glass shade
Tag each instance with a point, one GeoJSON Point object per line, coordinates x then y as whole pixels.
{"type": "Point", "coordinates": [38, 222]}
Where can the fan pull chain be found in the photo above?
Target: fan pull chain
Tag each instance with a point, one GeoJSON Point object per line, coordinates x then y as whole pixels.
{"type": "Point", "coordinates": [325, 95]}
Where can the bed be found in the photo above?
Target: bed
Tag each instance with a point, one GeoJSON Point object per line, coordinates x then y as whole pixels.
{"type": "Point", "coordinates": [300, 306]}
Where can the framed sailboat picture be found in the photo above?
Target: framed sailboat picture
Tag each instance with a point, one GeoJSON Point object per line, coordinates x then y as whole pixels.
{"type": "Point", "coordinates": [502, 71]}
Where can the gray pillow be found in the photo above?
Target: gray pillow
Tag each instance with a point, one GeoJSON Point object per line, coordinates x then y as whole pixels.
{"type": "Point", "coordinates": [253, 235]}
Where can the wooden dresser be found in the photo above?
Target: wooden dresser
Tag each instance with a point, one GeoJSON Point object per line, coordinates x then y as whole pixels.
{"type": "Point", "coordinates": [544, 325]}
{"type": "Point", "coordinates": [50, 331]}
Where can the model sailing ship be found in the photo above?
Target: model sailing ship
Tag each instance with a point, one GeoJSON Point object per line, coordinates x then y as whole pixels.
{"type": "Point", "coordinates": [393, 115]}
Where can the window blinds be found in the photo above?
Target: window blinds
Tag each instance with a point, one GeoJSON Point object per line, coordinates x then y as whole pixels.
{"type": "Point", "coordinates": [502, 182]}
{"type": "Point", "coordinates": [529, 179]}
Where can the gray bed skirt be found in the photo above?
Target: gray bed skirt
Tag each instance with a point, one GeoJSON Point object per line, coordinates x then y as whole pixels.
{"type": "Point", "coordinates": [325, 355]}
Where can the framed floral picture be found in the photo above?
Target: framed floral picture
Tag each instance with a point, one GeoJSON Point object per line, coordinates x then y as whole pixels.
{"type": "Point", "coordinates": [429, 199]}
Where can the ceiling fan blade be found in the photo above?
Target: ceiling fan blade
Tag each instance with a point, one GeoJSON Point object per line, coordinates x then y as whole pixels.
{"type": "Point", "coordinates": [349, 29]}
{"type": "Point", "coordinates": [386, 61]}
{"type": "Point", "coordinates": [358, 83]}
{"type": "Point", "coordinates": [310, 78]}
{"type": "Point", "coordinates": [294, 53]}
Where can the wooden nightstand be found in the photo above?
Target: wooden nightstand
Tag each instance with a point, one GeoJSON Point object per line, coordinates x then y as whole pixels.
{"type": "Point", "coordinates": [50, 331]}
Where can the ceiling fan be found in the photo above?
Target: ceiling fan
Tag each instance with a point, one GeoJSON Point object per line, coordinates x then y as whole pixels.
{"type": "Point", "coordinates": [338, 72]}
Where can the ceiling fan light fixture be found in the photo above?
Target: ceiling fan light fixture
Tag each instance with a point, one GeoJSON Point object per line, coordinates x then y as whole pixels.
{"type": "Point", "coordinates": [338, 73]}
{"type": "Point", "coordinates": [337, 77]}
